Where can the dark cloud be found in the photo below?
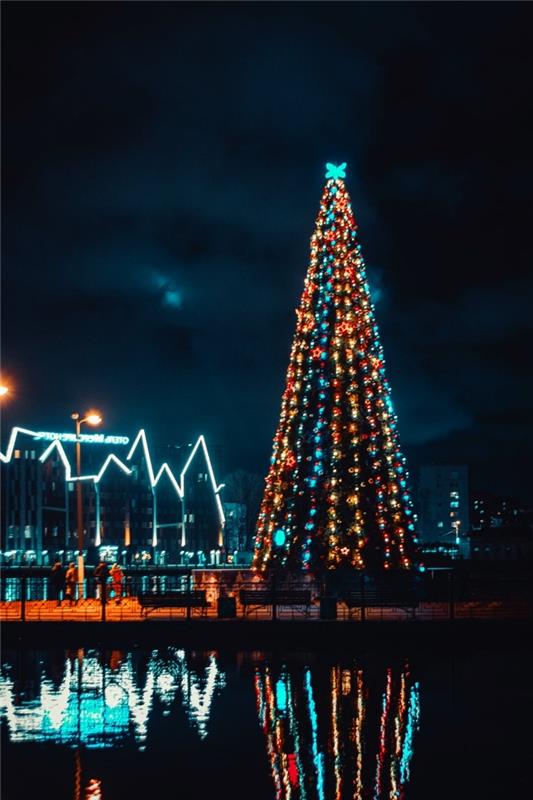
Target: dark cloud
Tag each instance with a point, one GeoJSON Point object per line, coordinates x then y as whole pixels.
{"type": "Point", "coordinates": [163, 168]}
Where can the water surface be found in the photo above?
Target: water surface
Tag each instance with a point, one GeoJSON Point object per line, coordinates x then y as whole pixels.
{"type": "Point", "coordinates": [116, 724]}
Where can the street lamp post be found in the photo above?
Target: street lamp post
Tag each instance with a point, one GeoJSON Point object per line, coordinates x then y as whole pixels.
{"type": "Point", "coordinates": [92, 418]}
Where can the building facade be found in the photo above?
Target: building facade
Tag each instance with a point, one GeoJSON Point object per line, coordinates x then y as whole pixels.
{"type": "Point", "coordinates": [491, 511]}
{"type": "Point", "coordinates": [502, 543]}
{"type": "Point", "coordinates": [136, 507]}
{"type": "Point", "coordinates": [235, 532]}
{"type": "Point", "coordinates": [443, 497]}
{"type": "Point", "coordinates": [501, 529]}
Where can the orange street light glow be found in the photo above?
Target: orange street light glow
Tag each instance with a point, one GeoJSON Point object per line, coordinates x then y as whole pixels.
{"type": "Point", "coordinates": [93, 418]}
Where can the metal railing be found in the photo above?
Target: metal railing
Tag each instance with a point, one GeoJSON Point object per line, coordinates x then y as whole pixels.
{"type": "Point", "coordinates": [34, 598]}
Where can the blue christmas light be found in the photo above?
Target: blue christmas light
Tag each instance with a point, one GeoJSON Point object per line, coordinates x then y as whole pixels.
{"type": "Point", "coordinates": [280, 537]}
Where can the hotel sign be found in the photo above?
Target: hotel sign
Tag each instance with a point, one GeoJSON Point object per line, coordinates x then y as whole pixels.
{"type": "Point", "coordinates": [84, 438]}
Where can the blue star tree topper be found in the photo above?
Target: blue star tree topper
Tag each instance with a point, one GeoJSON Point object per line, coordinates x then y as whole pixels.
{"type": "Point", "coordinates": [336, 171]}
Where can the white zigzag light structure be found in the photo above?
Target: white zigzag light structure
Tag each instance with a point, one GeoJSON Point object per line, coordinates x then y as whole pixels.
{"type": "Point", "coordinates": [54, 714]}
{"type": "Point", "coordinates": [139, 441]}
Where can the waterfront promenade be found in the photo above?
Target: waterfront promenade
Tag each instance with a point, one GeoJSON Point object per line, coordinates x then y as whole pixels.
{"type": "Point", "coordinates": [129, 610]}
{"type": "Point", "coordinates": [236, 597]}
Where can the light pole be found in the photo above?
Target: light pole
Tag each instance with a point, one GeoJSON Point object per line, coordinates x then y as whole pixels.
{"type": "Point", "coordinates": [92, 418]}
{"type": "Point", "coordinates": [457, 525]}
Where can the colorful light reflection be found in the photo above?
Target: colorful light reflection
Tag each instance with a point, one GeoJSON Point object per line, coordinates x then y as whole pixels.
{"type": "Point", "coordinates": [343, 733]}
{"type": "Point", "coordinates": [102, 704]}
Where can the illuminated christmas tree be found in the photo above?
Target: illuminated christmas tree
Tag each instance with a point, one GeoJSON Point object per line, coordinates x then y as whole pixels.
{"type": "Point", "coordinates": [337, 490]}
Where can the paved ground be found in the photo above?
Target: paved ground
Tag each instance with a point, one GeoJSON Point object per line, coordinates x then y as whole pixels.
{"type": "Point", "coordinates": [129, 610]}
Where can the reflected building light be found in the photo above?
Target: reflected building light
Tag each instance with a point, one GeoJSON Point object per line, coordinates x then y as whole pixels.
{"type": "Point", "coordinates": [140, 703]}
{"type": "Point", "coordinates": [197, 701]}
{"type": "Point", "coordinates": [98, 706]}
{"type": "Point", "coordinates": [54, 702]}
{"type": "Point", "coordinates": [114, 696]}
{"type": "Point", "coordinates": [166, 688]}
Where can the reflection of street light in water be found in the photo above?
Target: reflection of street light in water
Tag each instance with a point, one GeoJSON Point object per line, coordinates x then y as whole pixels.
{"type": "Point", "coordinates": [93, 790]}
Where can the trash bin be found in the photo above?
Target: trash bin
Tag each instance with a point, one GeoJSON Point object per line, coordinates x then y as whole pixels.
{"type": "Point", "coordinates": [227, 608]}
{"type": "Point", "coordinates": [328, 608]}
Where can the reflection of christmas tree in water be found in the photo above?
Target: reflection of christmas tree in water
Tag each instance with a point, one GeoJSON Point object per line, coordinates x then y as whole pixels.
{"type": "Point", "coordinates": [336, 734]}
{"type": "Point", "coordinates": [337, 490]}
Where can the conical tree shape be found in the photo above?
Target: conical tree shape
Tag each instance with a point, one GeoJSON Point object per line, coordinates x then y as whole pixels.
{"type": "Point", "coordinates": [337, 490]}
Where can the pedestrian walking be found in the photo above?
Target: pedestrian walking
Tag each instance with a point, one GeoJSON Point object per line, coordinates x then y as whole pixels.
{"type": "Point", "coordinates": [57, 581]}
{"type": "Point", "coordinates": [117, 579]}
{"type": "Point", "coordinates": [71, 579]}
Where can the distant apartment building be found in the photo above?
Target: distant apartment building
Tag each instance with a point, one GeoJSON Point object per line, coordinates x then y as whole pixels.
{"type": "Point", "coordinates": [235, 527]}
{"type": "Point", "coordinates": [443, 501]}
{"type": "Point", "coordinates": [491, 511]}
{"type": "Point", "coordinates": [502, 543]}
{"type": "Point", "coordinates": [501, 529]}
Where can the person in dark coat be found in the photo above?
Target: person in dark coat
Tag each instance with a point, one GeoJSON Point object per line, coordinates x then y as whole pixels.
{"type": "Point", "coordinates": [71, 580]}
{"type": "Point", "coordinates": [101, 574]}
{"type": "Point", "coordinates": [57, 581]}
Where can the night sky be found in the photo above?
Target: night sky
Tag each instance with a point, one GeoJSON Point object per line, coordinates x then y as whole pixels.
{"type": "Point", "coordinates": [163, 165]}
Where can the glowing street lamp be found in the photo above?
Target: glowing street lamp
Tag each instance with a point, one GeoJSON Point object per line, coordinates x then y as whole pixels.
{"type": "Point", "coordinates": [91, 418]}
{"type": "Point", "coordinates": [457, 525]}
{"type": "Point", "coordinates": [4, 390]}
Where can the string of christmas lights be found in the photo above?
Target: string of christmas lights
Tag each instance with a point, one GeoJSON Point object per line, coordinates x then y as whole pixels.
{"type": "Point", "coordinates": [337, 490]}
